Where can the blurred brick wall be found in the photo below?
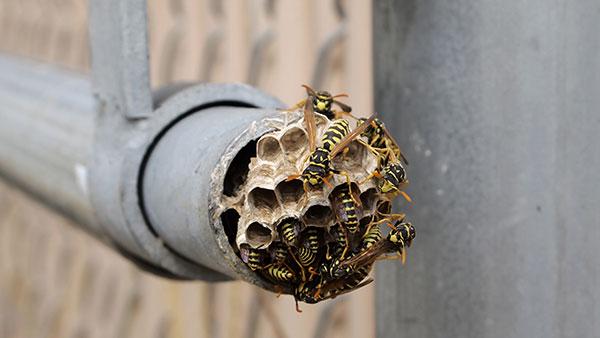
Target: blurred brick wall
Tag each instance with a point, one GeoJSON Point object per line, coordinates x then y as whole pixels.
{"type": "Point", "coordinates": [56, 281]}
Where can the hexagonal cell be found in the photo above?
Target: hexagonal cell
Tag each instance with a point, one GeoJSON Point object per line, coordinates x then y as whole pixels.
{"type": "Point", "coordinates": [258, 235]}
{"type": "Point", "coordinates": [230, 219]}
{"type": "Point", "coordinates": [238, 169]}
{"type": "Point", "coordinates": [290, 193]}
{"type": "Point", "coordinates": [263, 200]}
{"type": "Point", "coordinates": [294, 141]}
{"type": "Point", "coordinates": [318, 215]}
{"type": "Point", "coordinates": [369, 199]}
{"type": "Point", "coordinates": [351, 158]}
{"type": "Point", "coordinates": [384, 207]}
{"type": "Point", "coordinates": [268, 149]}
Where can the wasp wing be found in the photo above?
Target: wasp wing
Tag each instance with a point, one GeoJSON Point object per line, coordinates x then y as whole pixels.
{"type": "Point", "coordinates": [367, 256]}
{"type": "Point", "coordinates": [311, 124]}
{"type": "Point", "coordinates": [394, 143]}
{"type": "Point", "coordinates": [346, 108]}
{"type": "Point", "coordinates": [351, 136]}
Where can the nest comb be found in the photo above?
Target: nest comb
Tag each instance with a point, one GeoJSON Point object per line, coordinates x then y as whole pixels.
{"type": "Point", "coordinates": [267, 196]}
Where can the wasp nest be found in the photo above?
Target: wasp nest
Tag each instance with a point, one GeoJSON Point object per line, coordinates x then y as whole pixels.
{"type": "Point", "coordinates": [288, 231]}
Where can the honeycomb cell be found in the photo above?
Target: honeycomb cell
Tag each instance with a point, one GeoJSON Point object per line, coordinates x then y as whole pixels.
{"type": "Point", "coordinates": [290, 192]}
{"type": "Point", "coordinates": [369, 199]}
{"type": "Point", "coordinates": [268, 149]}
{"type": "Point", "coordinates": [294, 141]}
{"type": "Point", "coordinates": [258, 235]}
{"type": "Point", "coordinates": [230, 219]}
{"type": "Point", "coordinates": [263, 200]}
{"type": "Point", "coordinates": [318, 215]}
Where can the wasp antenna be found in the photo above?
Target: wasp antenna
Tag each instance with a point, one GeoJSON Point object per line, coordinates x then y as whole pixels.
{"type": "Point", "coordinates": [292, 177]}
{"type": "Point", "coordinates": [326, 181]}
{"type": "Point", "coordinates": [340, 95]}
{"type": "Point", "coordinates": [406, 197]}
{"type": "Point", "coordinates": [309, 89]}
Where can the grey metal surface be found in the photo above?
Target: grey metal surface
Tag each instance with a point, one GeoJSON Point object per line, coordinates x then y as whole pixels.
{"type": "Point", "coordinates": [127, 128]}
{"type": "Point", "coordinates": [497, 107]}
{"type": "Point", "coordinates": [182, 188]}
{"type": "Point", "coordinates": [120, 67]}
{"type": "Point", "coordinates": [46, 126]}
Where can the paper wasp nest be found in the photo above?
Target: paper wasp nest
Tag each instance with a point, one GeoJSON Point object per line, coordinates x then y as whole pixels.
{"type": "Point", "coordinates": [272, 193]}
{"type": "Point", "coordinates": [267, 197]}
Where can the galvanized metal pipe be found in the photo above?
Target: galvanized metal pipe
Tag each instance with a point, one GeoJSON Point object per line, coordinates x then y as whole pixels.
{"type": "Point", "coordinates": [46, 133]}
{"type": "Point", "coordinates": [496, 104]}
{"type": "Point", "coordinates": [168, 172]}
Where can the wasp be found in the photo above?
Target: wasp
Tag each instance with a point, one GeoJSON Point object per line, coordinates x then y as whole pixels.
{"type": "Point", "coordinates": [255, 258]}
{"type": "Point", "coordinates": [305, 292]}
{"type": "Point", "coordinates": [399, 238]}
{"type": "Point", "coordinates": [340, 241]}
{"type": "Point", "coordinates": [354, 280]}
{"type": "Point", "coordinates": [279, 252]}
{"type": "Point", "coordinates": [372, 236]}
{"type": "Point", "coordinates": [392, 178]}
{"type": "Point", "coordinates": [306, 257]}
{"type": "Point", "coordinates": [346, 209]}
{"type": "Point", "coordinates": [381, 141]}
{"type": "Point", "coordinates": [289, 229]}
{"type": "Point", "coordinates": [335, 139]}
{"type": "Point", "coordinates": [280, 274]}
{"type": "Point", "coordinates": [322, 102]}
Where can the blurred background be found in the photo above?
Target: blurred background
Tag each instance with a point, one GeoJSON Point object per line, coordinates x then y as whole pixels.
{"type": "Point", "coordinates": [56, 281]}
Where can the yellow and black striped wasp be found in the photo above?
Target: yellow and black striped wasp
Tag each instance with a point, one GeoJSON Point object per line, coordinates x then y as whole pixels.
{"type": "Point", "coordinates": [322, 102]}
{"type": "Point", "coordinates": [256, 259]}
{"type": "Point", "coordinates": [390, 169]}
{"type": "Point", "coordinates": [314, 291]}
{"type": "Point", "coordinates": [352, 281]}
{"type": "Point", "coordinates": [289, 229]}
{"type": "Point", "coordinates": [381, 141]}
{"type": "Point", "coordinates": [280, 274]}
{"type": "Point", "coordinates": [392, 178]}
{"type": "Point", "coordinates": [335, 139]}
{"type": "Point", "coordinates": [399, 238]}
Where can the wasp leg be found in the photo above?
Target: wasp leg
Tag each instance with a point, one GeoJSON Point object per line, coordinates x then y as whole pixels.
{"type": "Point", "coordinates": [348, 182]}
{"type": "Point", "coordinates": [388, 218]}
{"type": "Point", "coordinates": [326, 181]}
{"type": "Point", "coordinates": [340, 114]}
{"type": "Point", "coordinates": [297, 306]}
{"type": "Point", "coordinates": [312, 272]}
{"type": "Point", "coordinates": [297, 263]}
{"type": "Point", "coordinates": [401, 256]}
{"type": "Point", "coordinates": [293, 177]}
{"type": "Point", "coordinates": [279, 290]}
{"type": "Point", "coordinates": [298, 105]}
{"type": "Point", "coordinates": [375, 174]}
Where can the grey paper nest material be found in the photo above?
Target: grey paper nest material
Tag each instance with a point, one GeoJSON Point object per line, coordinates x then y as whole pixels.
{"type": "Point", "coordinates": [267, 197]}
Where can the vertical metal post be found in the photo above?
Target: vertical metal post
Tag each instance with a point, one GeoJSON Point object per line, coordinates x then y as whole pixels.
{"type": "Point", "coordinates": [497, 107]}
{"type": "Point", "coordinates": [120, 69]}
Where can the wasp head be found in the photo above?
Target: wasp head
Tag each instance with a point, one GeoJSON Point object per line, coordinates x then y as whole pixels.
{"type": "Point", "coordinates": [403, 234]}
{"type": "Point", "coordinates": [322, 102]}
{"type": "Point", "coordinates": [394, 176]}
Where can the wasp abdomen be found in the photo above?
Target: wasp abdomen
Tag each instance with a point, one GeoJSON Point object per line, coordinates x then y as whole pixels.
{"type": "Point", "coordinates": [279, 273]}
{"type": "Point", "coordinates": [305, 256]}
{"type": "Point", "coordinates": [335, 133]}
